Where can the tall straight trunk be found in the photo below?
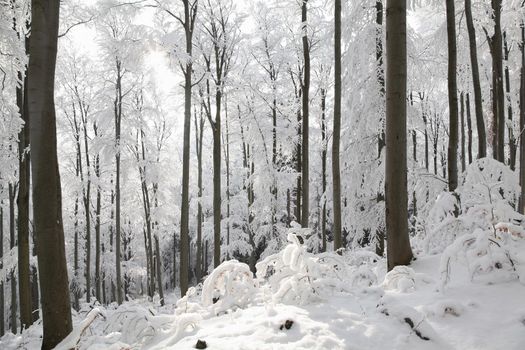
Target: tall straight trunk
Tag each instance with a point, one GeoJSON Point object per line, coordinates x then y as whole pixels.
{"type": "Point", "coordinates": [199, 136]}
{"type": "Point", "coordinates": [159, 270]}
{"type": "Point", "coordinates": [227, 162]}
{"type": "Point", "coordinates": [336, 172]}
{"type": "Point", "coordinates": [452, 98]}
{"type": "Point", "coordinates": [118, 118]}
{"type": "Point", "coordinates": [87, 202]}
{"type": "Point", "coordinates": [497, 72]}
{"type": "Point", "coordinates": [2, 301]}
{"type": "Point", "coordinates": [522, 119]}
{"type": "Point", "coordinates": [323, 167]}
{"type": "Point", "coordinates": [12, 244]}
{"type": "Point", "coordinates": [98, 279]}
{"type": "Point", "coordinates": [478, 105]}
{"type": "Point", "coordinates": [24, 273]}
{"type": "Point", "coordinates": [380, 232]}
{"type": "Point", "coordinates": [189, 20]}
{"type": "Point", "coordinates": [399, 251]}
{"type": "Point", "coordinates": [217, 180]}
{"type": "Point", "coordinates": [469, 130]}
{"type": "Point", "coordinates": [111, 239]}
{"type": "Point", "coordinates": [305, 210]}
{"type": "Point", "coordinates": [462, 113]}
{"type": "Point", "coordinates": [512, 139]}
{"type": "Point", "coordinates": [99, 288]}
{"type": "Point", "coordinates": [47, 196]}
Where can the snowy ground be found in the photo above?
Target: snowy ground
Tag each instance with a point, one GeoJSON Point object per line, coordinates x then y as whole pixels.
{"type": "Point", "coordinates": [403, 313]}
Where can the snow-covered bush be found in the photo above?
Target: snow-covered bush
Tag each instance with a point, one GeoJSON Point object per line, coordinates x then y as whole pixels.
{"type": "Point", "coordinates": [488, 258]}
{"type": "Point", "coordinates": [400, 278]}
{"type": "Point", "coordinates": [296, 276]}
{"type": "Point", "coordinates": [486, 196]}
{"type": "Point", "coordinates": [230, 285]}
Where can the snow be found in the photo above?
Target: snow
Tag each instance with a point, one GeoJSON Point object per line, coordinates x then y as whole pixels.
{"type": "Point", "coordinates": [407, 308]}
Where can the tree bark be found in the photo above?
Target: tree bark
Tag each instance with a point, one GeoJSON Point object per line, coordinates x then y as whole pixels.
{"type": "Point", "coordinates": [47, 197]}
{"type": "Point", "coordinates": [512, 139]}
{"type": "Point", "coordinates": [452, 163]}
{"type": "Point", "coordinates": [324, 146]}
{"type": "Point", "coordinates": [305, 210]}
{"type": "Point", "coordinates": [118, 118]}
{"type": "Point", "coordinates": [336, 171]}
{"type": "Point", "coordinates": [399, 251]}
{"type": "Point", "coordinates": [380, 231]}
{"type": "Point", "coordinates": [462, 113]}
{"type": "Point", "coordinates": [12, 244]}
{"type": "Point", "coordinates": [469, 130]}
{"type": "Point", "coordinates": [2, 301]}
{"type": "Point", "coordinates": [24, 273]}
{"type": "Point", "coordinates": [522, 120]}
{"type": "Point", "coordinates": [199, 136]}
{"type": "Point", "coordinates": [478, 105]}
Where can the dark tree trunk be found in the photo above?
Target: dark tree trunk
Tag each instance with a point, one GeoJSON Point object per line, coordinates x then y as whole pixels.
{"type": "Point", "coordinates": [452, 98]}
{"type": "Point", "coordinates": [469, 130]}
{"type": "Point", "coordinates": [399, 251]}
{"type": "Point", "coordinates": [323, 167]}
{"type": "Point", "coordinates": [190, 11]}
{"type": "Point", "coordinates": [522, 119]}
{"type": "Point", "coordinates": [380, 231]}
{"type": "Point", "coordinates": [478, 104]}
{"type": "Point", "coordinates": [24, 273]}
{"type": "Point", "coordinates": [47, 197]}
{"type": "Point", "coordinates": [12, 244]}
{"type": "Point", "coordinates": [199, 136]}
{"type": "Point", "coordinates": [512, 139]}
{"type": "Point", "coordinates": [336, 171]}
{"type": "Point", "coordinates": [305, 210]}
{"type": "Point", "coordinates": [118, 118]}
{"type": "Point", "coordinates": [462, 114]}
{"type": "Point", "coordinates": [2, 301]}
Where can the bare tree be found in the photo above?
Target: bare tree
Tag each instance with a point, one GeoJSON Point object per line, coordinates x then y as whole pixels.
{"type": "Point", "coordinates": [336, 137]}
{"type": "Point", "coordinates": [47, 197]}
{"type": "Point", "coordinates": [396, 196]}
{"type": "Point", "coordinates": [452, 98]}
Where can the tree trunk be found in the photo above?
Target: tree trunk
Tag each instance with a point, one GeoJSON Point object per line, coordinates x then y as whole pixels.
{"type": "Point", "coordinates": [47, 197]}
{"type": "Point", "coordinates": [323, 167]}
{"type": "Point", "coordinates": [380, 232]}
{"type": "Point", "coordinates": [452, 98]}
{"type": "Point", "coordinates": [118, 118]}
{"type": "Point", "coordinates": [12, 244]}
{"type": "Point", "coordinates": [399, 251]}
{"type": "Point", "coordinates": [497, 71]}
{"type": "Point", "coordinates": [217, 180]}
{"type": "Point", "coordinates": [2, 301]}
{"type": "Point", "coordinates": [512, 139]}
{"type": "Point", "coordinates": [199, 136]}
{"type": "Point", "coordinates": [463, 154]}
{"type": "Point", "coordinates": [24, 274]}
{"type": "Point", "coordinates": [159, 270]}
{"type": "Point", "coordinates": [469, 130]}
{"type": "Point", "coordinates": [305, 210]}
{"type": "Point", "coordinates": [98, 280]}
{"type": "Point", "coordinates": [480, 123]}
{"type": "Point", "coordinates": [336, 172]}
{"type": "Point", "coordinates": [87, 202]}
{"type": "Point", "coordinates": [189, 20]}
{"type": "Point", "coordinates": [522, 120]}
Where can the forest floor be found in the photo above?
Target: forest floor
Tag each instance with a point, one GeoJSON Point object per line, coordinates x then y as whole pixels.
{"type": "Point", "coordinates": [414, 314]}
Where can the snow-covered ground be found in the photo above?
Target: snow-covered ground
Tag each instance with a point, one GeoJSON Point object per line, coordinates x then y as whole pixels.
{"type": "Point", "coordinates": [409, 308]}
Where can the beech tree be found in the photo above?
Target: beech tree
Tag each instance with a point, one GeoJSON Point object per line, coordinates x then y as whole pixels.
{"type": "Point", "coordinates": [47, 196]}
{"type": "Point", "coordinates": [398, 242]}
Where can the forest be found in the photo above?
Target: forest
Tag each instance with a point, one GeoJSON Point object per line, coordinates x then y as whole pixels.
{"type": "Point", "coordinates": [262, 174]}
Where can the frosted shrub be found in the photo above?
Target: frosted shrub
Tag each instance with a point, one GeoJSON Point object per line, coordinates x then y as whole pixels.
{"type": "Point", "coordinates": [230, 285]}
{"type": "Point", "coordinates": [400, 278]}
{"type": "Point", "coordinates": [296, 276]}
{"type": "Point", "coordinates": [487, 257]}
